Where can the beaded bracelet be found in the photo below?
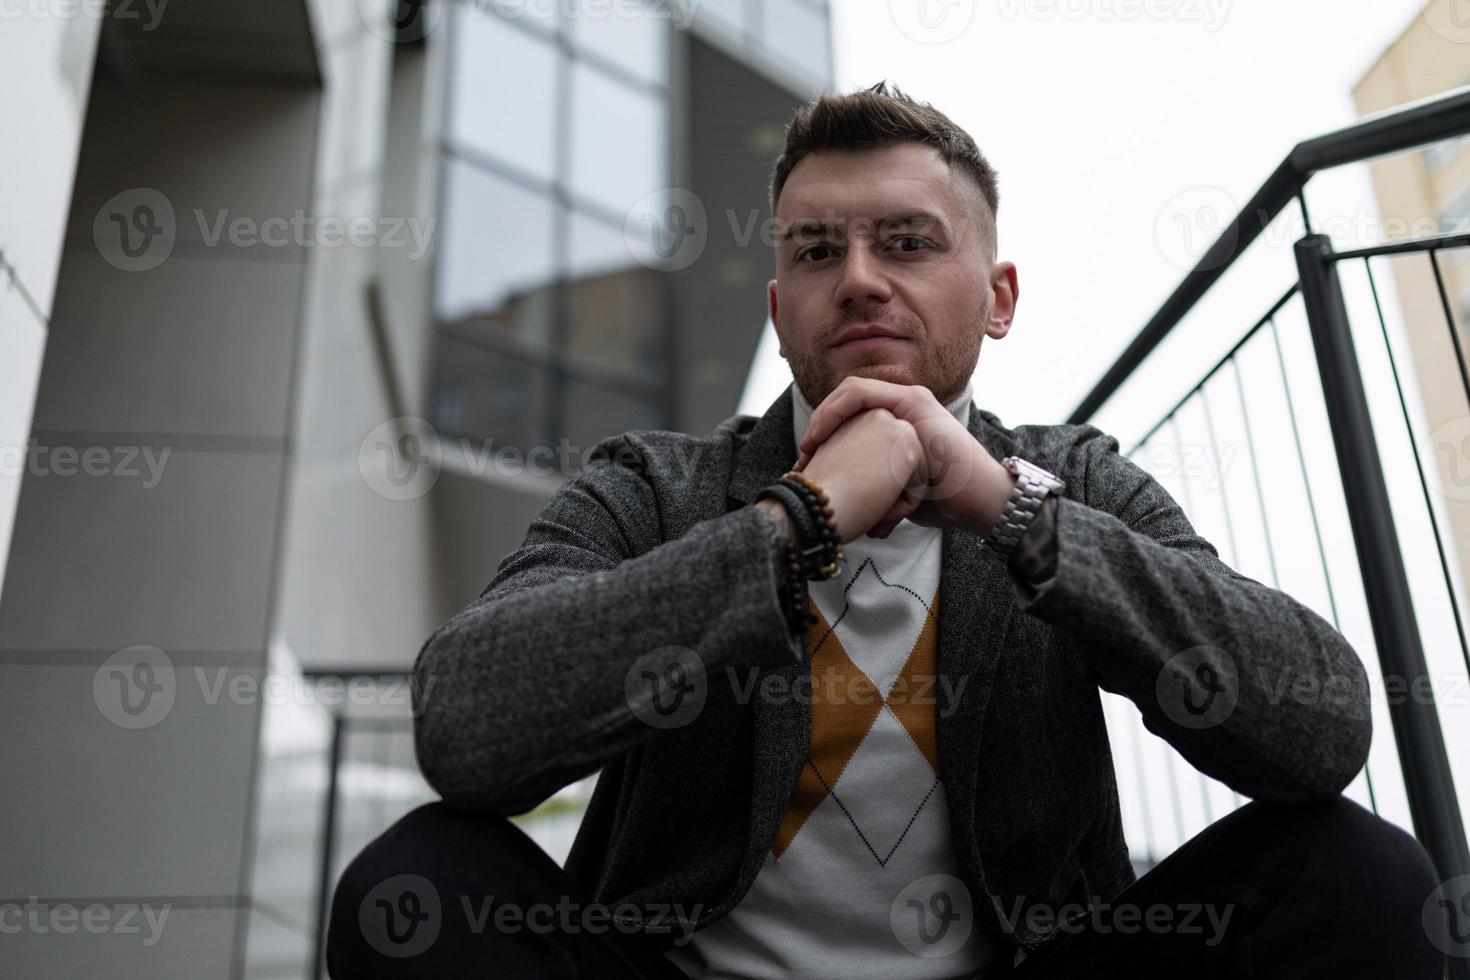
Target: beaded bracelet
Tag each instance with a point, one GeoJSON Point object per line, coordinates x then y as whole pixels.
{"type": "Point", "coordinates": [819, 509]}
{"type": "Point", "coordinates": [819, 544]}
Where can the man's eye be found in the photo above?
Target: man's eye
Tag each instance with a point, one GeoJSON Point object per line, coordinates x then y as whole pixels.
{"type": "Point", "coordinates": [910, 238]}
{"type": "Point", "coordinates": [809, 253]}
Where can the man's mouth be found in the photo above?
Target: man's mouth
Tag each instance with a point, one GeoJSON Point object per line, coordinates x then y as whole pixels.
{"type": "Point", "coordinates": [868, 335]}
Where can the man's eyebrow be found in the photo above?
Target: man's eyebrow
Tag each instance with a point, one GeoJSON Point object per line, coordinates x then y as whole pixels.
{"type": "Point", "coordinates": [813, 228]}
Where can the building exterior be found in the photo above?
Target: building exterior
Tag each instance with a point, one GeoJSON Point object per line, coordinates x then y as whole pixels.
{"type": "Point", "coordinates": [1422, 194]}
{"type": "Point", "coordinates": [306, 308]}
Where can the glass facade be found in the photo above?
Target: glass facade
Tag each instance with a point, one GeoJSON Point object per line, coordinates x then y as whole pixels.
{"type": "Point", "coordinates": [556, 126]}
{"type": "Point", "coordinates": [551, 314]}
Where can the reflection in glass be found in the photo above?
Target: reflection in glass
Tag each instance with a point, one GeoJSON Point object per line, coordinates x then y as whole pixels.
{"type": "Point", "coordinates": [502, 98]}
{"type": "Point", "coordinates": [479, 393]}
{"type": "Point", "coordinates": [619, 140]}
{"type": "Point", "coordinates": [594, 412]}
{"type": "Point", "coordinates": [615, 314]}
{"type": "Point", "coordinates": [638, 44]}
{"type": "Point", "coordinates": [796, 32]}
{"type": "Point", "coordinates": [495, 263]}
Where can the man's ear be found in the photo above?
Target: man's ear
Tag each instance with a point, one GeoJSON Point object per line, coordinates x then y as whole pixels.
{"type": "Point", "coordinates": [775, 315]}
{"type": "Point", "coordinates": [1006, 290]}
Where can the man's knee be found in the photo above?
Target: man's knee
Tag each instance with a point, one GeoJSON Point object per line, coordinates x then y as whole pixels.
{"type": "Point", "coordinates": [419, 891]}
{"type": "Point", "coordinates": [1357, 855]}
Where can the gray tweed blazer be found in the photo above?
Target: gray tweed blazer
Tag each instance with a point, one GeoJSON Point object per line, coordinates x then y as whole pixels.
{"type": "Point", "coordinates": [523, 691]}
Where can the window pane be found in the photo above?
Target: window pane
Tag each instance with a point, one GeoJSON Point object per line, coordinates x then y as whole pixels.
{"type": "Point", "coordinates": [796, 32]}
{"type": "Point", "coordinates": [638, 44]}
{"type": "Point", "coordinates": [479, 393]}
{"type": "Point", "coordinates": [615, 304]}
{"type": "Point", "coordinates": [726, 14]}
{"type": "Point", "coordinates": [619, 140]}
{"type": "Point", "coordinates": [502, 99]}
{"type": "Point", "coordinates": [595, 412]}
{"type": "Point", "coordinates": [495, 258]}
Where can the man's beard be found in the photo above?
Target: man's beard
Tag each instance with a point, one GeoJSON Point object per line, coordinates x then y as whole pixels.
{"type": "Point", "coordinates": [944, 370]}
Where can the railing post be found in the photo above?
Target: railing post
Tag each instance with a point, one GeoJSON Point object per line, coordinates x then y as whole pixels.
{"type": "Point", "coordinates": [1416, 728]}
{"type": "Point", "coordinates": [328, 845]}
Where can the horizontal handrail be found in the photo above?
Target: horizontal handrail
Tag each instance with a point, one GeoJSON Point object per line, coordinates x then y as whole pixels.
{"type": "Point", "coordinates": [1391, 131]}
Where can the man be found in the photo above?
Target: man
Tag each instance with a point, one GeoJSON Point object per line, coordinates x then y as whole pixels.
{"type": "Point", "coordinates": [917, 782]}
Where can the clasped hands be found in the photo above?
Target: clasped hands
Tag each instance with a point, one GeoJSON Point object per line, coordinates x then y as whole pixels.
{"type": "Point", "coordinates": [886, 452]}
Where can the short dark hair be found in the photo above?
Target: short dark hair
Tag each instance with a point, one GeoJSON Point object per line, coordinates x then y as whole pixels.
{"type": "Point", "coordinates": [873, 118]}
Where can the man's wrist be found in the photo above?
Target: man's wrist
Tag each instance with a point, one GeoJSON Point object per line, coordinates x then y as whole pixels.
{"type": "Point", "coordinates": [781, 518]}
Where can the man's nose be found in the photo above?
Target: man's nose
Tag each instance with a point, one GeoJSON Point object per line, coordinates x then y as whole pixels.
{"type": "Point", "coordinates": [863, 276]}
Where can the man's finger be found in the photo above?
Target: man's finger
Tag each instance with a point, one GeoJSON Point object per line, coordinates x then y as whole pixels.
{"type": "Point", "coordinates": [854, 395]}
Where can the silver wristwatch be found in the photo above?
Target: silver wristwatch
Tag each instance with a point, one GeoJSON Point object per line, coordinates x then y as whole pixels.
{"type": "Point", "coordinates": [1033, 484]}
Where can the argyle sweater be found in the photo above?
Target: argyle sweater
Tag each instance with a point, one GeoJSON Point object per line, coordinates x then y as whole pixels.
{"type": "Point", "coordinates": [861, 879]}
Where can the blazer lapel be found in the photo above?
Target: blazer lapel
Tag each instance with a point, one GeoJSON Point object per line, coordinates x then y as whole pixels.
{"type": "Point", "coordinates": [783, 726]}
{"type": "Point", "coordinates": [975, 608]}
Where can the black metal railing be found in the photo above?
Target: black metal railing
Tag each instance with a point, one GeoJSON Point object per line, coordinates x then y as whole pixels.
{"type": "Point", "coordinates": [1418, 728]}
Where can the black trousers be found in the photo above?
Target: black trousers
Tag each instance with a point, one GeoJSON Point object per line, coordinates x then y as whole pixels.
{"type": "Point", "coordinates": [1322, 890]}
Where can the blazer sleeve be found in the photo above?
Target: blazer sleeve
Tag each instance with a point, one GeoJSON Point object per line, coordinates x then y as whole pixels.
{"type": "Point", "coordinates": [1247, 683]}
{"type": "Point", "coordinates": [524, 690]}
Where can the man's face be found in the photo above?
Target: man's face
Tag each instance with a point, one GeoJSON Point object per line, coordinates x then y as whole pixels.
{"type": "Point", "coordinates": [887, 240]}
